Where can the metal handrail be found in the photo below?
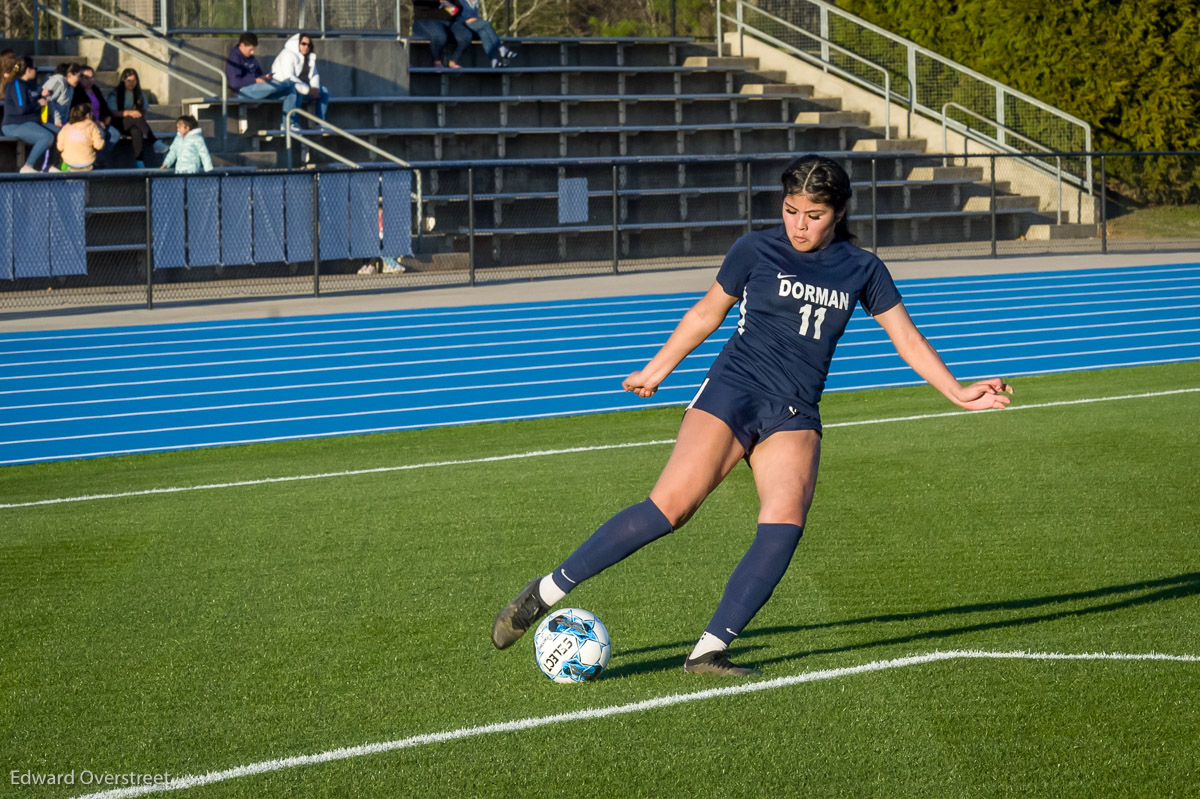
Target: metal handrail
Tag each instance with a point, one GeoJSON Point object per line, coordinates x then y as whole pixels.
{"type": "Point", "coordinates": [305, 141]}
{"type": "Point", "coordinates": [887, 76]}
{"type": "Point", "coordinates": [156, 36]}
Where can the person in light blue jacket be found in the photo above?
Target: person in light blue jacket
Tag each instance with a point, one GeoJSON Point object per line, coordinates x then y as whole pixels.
{"type": "Point", "coordinates": [188, 153]}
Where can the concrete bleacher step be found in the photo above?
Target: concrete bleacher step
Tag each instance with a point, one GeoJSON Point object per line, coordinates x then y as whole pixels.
{"type": "Point", "coordinates": [946, 173]}
{"type": "Point", "coordinates": [833, 118]}
{"type": "Point", "coordinates": [1006, 203]}
{"type": "Point", "coordinates": [1060, 232]}
{"type": "Point", "coordinates": [724, 62]}
{"type": "Point", "coordinates": [778, 89]}
{"type": "Point", "coordinates": [889, 146]}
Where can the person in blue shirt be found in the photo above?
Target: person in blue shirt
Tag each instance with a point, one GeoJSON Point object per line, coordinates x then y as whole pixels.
{"type": "Point", "coordinates": [467, 24]}
{"type": "Point", "coordinates": [23, 103]}
{"type": "Point", "coordinates": [798, 284]}
{"type": "Point", "coordinates": [248, 81]}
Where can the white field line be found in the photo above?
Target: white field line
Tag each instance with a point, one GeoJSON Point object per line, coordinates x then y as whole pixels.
{"type": "Point", "coordinates": [475, 311]}
{"type": "Point", "coordinates": [543, 453]}
{"type": "Point", "coordinates": [993, 362]}
{"type": "Point", "coordinates": [592, 714]}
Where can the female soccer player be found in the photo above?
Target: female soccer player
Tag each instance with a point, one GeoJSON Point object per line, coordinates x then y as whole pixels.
{"type": "Point", "coordinates": [798, 285]}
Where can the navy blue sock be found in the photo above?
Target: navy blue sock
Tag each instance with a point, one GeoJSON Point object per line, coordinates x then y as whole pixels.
{"type": "Point", "coordinates": [755, 577]}
{"type": "Point", "coordinates": [615, 540]}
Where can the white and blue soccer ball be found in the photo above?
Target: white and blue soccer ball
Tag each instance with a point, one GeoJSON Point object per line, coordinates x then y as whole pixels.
{"type": "Point", "coordinates": [571, 645]}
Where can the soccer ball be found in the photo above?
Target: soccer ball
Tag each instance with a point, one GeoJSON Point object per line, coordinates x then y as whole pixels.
{"type": "Point", "coordinates": [571, 645]}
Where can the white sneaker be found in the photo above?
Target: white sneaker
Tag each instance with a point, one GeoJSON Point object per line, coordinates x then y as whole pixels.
{"type": "Point", "coordinates": [25, 170]}
{"type": "Point", "coordinates": [161, 147]}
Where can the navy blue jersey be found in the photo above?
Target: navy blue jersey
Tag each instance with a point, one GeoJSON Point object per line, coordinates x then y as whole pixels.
{"type": "Point", "coordinates": [794, 308]}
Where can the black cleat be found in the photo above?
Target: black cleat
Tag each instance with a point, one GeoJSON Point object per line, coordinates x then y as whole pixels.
{"type": "Point", "coordinates": [518, 616]}
{"type": "Point", "coordinates": [717, 663]}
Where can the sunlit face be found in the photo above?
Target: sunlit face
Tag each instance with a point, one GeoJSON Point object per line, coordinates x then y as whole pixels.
{"type": "Point", "coordinates": [809, 224]}
{"type": "Point", "coordinates": [181, 128]}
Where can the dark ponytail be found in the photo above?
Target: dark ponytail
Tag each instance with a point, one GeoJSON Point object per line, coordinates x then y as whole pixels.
{"type": "Point", "coordinates": [823, 181]}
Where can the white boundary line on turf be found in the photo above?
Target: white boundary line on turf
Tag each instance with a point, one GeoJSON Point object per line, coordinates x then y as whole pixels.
{"type": "Point", "coordinates": [542, 453]}
{"type": "Point", "coordinates": [346, 753]}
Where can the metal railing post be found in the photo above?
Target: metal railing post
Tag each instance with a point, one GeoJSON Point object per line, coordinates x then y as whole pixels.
{"type": "Point", "coordinates": [749, 196]}
{"type": "Point", "coordinates": [616, 233]}
{"type": "Point", "coordinates": [825, 35]}
{"type": "Point", "coordinates": [471, 226]}
{"type": "Point", "coordinates": [993, 204]}
{"type": "Point", "coordinates": [163, 13]}
{"type": "Point", "coordinates": [741, 31]}
{"type": "Point", "coordinates": [1103, 207]}
{"type": "Point", "coordinates": [720, 37]}
{"type": "Point", "coordinates": [149, 252]}
{"type": "Point", "coordinates": [874, 206]}
{"type": "Point", "coordinates": [245, 17]}
{"type": "Point", "coordinates": [316, 229]}
{"type": "Point", "coordinates": [37, 23]}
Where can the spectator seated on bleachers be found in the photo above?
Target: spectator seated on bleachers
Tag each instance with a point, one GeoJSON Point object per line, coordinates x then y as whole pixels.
{"type": "Point", "coordinates": [61, 87]}
{"type": "Point", "coordinates": [296, 66]}
{"type": "Point", "coordinates": [80, 140]}
{"type": "Point", "coordinates": [23, 103]}
{"type": "Point", "coordinates": [433, 22]}
{"type": "Point", "coordinates": [87, 93]}
{"type": "Point", "coordinates": [246, 76]}
{"type": "Point", "coordinates": [467, 24]}
{"type": "Point", "coordinates": [128, 105]}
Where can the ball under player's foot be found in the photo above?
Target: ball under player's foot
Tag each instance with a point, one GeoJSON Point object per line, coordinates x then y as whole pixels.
{"type": "Point", "coordinates": [518, 616]}
{"type": "Point", "coordinates": [717, 663]}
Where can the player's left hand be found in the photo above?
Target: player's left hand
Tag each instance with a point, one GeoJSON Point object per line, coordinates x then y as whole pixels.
{"type": "Point", "coordinates": [985, 394]}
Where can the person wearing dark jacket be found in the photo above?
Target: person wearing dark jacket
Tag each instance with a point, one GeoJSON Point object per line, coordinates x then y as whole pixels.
{"type": "Point", "coordinates": [86, 93]}
{"type": "Point", "coordinates": [127, 103]}
{"type": "Point", "coordinates": [433, 22]}
{"type": "Point", "coordinates": [246, 77]}
{"type": "Point", "coordinates": [23, 104]}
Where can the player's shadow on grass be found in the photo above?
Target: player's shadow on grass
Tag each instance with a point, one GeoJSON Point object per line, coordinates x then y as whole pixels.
{"type": "Point", "coordinates": [1167, 588]}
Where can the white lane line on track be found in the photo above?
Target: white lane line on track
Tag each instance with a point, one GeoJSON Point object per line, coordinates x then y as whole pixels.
{"type": "Point", "coordinates": [543, 453]}
{"type": "Point", "coordinates": [474, 311]}
{"type": "Point", "coordinates": [592, 714]}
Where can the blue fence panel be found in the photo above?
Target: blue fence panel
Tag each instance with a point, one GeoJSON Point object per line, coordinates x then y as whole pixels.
{"type": "Point", "coordinates": [298, 217]}
{"type": "Point", "coordinates": [333, 193]}
{"type": "Point", "coordinates": [68, 233]}
{"type": "Point", "coordinates": [396, 188]}
{"type": "Point", "coordinates": [31, 242]}
{"type": "Point", "coordinates": [572, 200]}
{"type": "Point", "coordinates": [167, 222]}
{"type": "Point", "coordinates": [204, 221]}
{"type": "Point", "coordinates": [237, 236]}
{"type": "Point", "coordinates": [268, 220]}
{"type": "Point", "coordinates": [364, 215]}
{"type": "Point", "coordinates": [6, 231]}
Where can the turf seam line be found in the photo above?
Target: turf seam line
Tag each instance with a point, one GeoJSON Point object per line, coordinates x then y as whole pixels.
{"type": "Point", "coordinates": [346, 753]}
{"type": "Point", "coordinates": [564, 451]}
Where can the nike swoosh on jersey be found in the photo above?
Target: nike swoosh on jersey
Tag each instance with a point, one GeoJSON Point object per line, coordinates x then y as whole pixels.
{"type": "Point", "coordinates": [781, 276]}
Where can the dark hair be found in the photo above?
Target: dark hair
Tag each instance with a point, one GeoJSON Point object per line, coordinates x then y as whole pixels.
{"type": "Point", "coordinates": [18, 68]}
{"type": "Point", "coordinates": [74, 69]}
{"type": "Point", "coordinates": [189, 121]}
{"type": "Point", "coordinates": [824, 181]}
{"type": "Point", "coordinates": [312, 48]}
{"type": "Point", "coordinates": [62, 68]}
{"type": "Point", "coordinates": [248, 38]}
{"type": "Point", "coordinates": [79, 112]}
{"type": "Point", "coordinates": [139, 102]}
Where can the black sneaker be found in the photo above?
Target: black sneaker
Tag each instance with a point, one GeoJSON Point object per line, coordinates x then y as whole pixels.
{"type": "Point", "coordinates": [717, 663]}
{"type": "Point", "coordinates": [518, 616]}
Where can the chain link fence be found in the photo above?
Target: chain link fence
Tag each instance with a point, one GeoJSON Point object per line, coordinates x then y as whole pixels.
{"type": "Point", "coordinates": [123, 238]}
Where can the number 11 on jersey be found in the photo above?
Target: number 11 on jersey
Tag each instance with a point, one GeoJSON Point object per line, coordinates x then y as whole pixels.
{"type": "Point", "coordinates": [807, 315]}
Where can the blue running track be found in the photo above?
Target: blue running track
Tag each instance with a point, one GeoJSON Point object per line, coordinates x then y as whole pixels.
{"type": "Point", "coordinates": [111, 391]}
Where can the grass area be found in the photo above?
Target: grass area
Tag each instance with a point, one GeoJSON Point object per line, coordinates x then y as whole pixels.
{"type": "Point", "coordinates": [1157, 222]}
{"type": "Point", "coordinates": [205, 630]}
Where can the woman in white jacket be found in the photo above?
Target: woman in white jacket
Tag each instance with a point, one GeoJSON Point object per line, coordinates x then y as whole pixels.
{"type": "Point", "coordinates": [296, 66]}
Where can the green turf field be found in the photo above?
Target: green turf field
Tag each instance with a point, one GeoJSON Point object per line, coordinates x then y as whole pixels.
{"type": "Point", "coordinates": [207, 630]}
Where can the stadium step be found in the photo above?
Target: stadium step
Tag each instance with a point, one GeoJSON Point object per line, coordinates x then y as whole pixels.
{"type": "Point", "coordinates": [1060, 232]}
{"type": "Point", "coordinates": [889, 146]}
{"type": "Point", "coordinates": [833, 118]}
{"type": "Point", "coordinates": [726, 62]}
{"type": "Point", "coordinates": [778, 89]}
{"type": "Point", "coordinates": [1009, 203]}
{"type": "Point", "coordinates": [946, 173]}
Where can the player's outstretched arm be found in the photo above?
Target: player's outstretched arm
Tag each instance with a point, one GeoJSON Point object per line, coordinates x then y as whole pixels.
{"type": "Point", "coordinates": [697, 324]}
{"type": "Point", "coordinates": [918, 353]}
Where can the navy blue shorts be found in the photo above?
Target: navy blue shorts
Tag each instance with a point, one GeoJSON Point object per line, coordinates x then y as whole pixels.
{"type": "Point", "coordinates": [751, 417]}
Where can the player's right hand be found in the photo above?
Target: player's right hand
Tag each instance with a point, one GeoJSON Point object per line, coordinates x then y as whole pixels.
{"type": "Point", "coordinates": [639, 383]}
